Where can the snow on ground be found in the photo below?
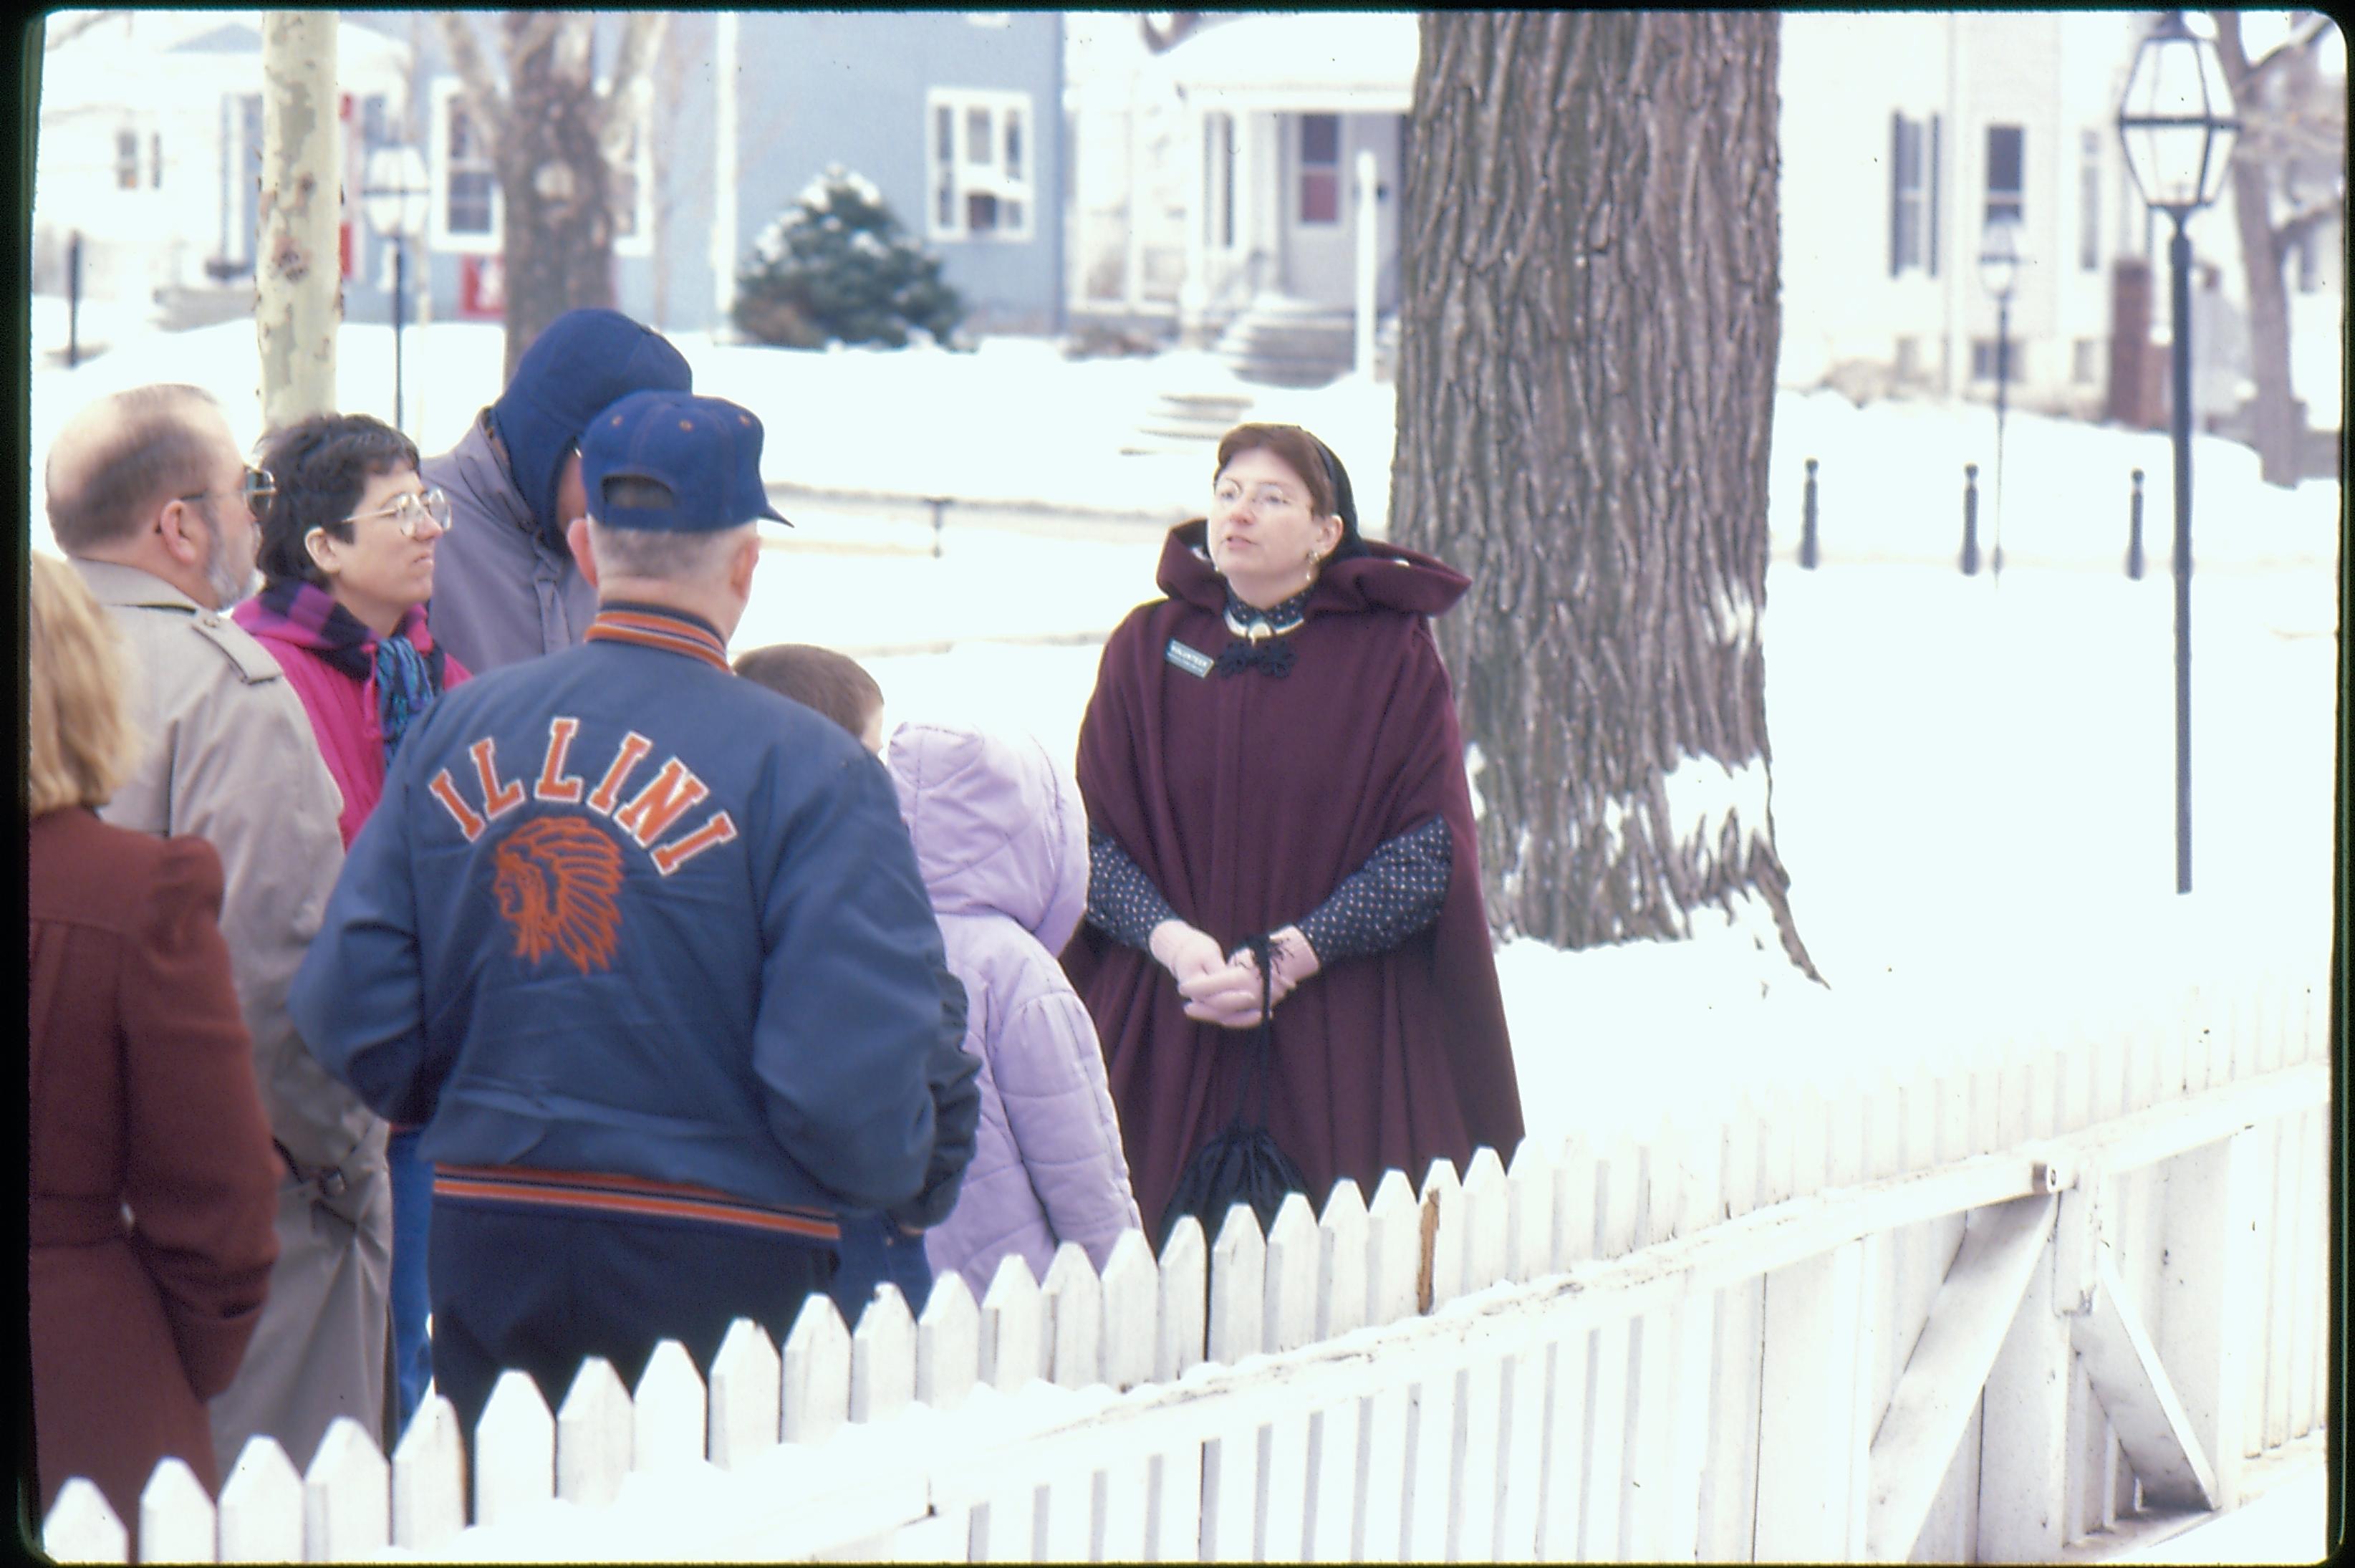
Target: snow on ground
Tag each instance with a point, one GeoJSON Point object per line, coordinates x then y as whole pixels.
{"type": "Point", "coordinates": [1972, 781]}
{"type": "Point", "coordinates": [1012, 421]}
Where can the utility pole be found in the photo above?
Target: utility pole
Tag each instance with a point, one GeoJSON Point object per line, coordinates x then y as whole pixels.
{"type": "Point", "coordinates": [298, 274]}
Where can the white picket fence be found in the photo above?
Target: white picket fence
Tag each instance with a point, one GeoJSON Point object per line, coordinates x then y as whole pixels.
{"type": "Point", "coordinates": [1982, 1314]}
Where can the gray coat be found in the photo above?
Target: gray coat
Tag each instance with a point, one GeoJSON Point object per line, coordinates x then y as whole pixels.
{"type": "Point", "coordinates": [232, 760]}
{"type": "Point", "coordinates": [501, 593]}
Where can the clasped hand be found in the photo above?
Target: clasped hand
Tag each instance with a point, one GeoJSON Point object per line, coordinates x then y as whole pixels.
{"type": "Point", "coordinates": [1224, 989]}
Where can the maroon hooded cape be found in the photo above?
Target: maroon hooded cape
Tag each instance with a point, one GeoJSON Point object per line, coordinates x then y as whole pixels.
{"type": "Point", "coordinates": [1248, 798]}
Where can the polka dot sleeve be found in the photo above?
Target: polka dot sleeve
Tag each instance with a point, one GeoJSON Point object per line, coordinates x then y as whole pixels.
{"type": "Point", "coordinates": [1396, 893]}
{"type": "Point", "coordinates": [1123, 902]}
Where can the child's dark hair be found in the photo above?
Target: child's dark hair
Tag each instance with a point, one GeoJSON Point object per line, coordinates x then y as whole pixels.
{"type": "Point", "coordinates": [816, 678]}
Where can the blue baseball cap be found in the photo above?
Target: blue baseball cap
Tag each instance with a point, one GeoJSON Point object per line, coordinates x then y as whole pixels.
{"type": "Point", "coordinates": [705, 451]}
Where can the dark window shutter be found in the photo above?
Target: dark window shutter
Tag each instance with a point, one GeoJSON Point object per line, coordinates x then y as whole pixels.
{"type": "Point", "coordinates": [1930, 220]}
{"type": "Point", "coordinates": [1896, 192]}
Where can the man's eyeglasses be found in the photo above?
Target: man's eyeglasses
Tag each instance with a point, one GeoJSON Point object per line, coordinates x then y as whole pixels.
{"type": "Point", "coordinates": [258, 488]}
{"type": "Point", "coordinates": [409, 509]}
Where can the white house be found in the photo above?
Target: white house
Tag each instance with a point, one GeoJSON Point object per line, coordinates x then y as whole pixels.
{"type": "Point", "coordinates": [1255, 124]}
{"type": "Point", "coordinates": [150, 135]}
{"type": "Point", "coordinates": [1903, 134]}
{"type": "Point", "coordinates": [1278, 107]}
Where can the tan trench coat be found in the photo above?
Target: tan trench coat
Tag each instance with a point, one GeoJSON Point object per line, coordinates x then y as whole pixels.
{"type": "Point", "coordinates": [233, 761]}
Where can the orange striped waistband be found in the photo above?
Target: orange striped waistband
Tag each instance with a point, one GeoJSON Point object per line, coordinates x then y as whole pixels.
{"type": "Point", "coordinates": [615, 1195]}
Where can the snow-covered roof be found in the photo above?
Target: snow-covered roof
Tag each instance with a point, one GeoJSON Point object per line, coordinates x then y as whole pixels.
{"type": "Point", "coordinates": [236, 38]}
{"type": "Point", "coordinates": [201, 57]}
{"type": "Point", "coordinates": [1319, 59]}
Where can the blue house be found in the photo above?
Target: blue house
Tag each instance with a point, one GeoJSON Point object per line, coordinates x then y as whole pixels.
{"type": "Point", "coordinates": [956, 117]}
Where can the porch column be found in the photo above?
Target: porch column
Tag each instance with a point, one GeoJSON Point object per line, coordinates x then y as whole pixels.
{"type": "Point", "coordinates": [1369, 221]}
{"type": "Point", "coordinates": [1245, 199]}
{"type": "Point", "coordinates": [1193, 295]}
{"type": "Point", "coordinates": [1131, 259]}
{"type": "Point", "coordinates": [1269, 200]}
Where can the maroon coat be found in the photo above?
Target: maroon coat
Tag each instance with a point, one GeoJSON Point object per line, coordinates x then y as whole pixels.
{"type": "Point", "coordinates": [1248, 798]}
{"type": "Point", "coordinates": [142, 1096]}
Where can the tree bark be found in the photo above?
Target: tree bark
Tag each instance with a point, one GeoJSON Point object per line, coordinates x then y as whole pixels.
{"type": "Point", "coordinates": [1160, 39]}
{"type": "Point", "coordinates": [554, 141]}
{"type": "Point", "coordinates": [552, 172]}
{"type": "Point", "coordinates": [2276, 421]}
{"type": "Point", "coordinates": [298, 287]}
{"type": "Point", "coordinates": [1586, 394]}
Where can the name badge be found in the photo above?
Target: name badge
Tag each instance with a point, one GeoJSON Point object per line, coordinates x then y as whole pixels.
{"type": "Point", "coordinates": [1193, 661]}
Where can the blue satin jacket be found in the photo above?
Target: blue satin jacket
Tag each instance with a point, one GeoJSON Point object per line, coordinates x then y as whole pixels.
{"type": "Point", "coordinates": [624, 914]}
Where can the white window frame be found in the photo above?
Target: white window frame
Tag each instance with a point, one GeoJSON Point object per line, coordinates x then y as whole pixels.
{"type": "Point", "coordinates": [967, 179]}
{"type": "Point", "coordinates": [639, 241]}
{"type": "Point", "coordinates": [445, 90]}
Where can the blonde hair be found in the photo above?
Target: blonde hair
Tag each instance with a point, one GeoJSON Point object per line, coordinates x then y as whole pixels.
{"type": "Point", "coordinates": [81, 739]}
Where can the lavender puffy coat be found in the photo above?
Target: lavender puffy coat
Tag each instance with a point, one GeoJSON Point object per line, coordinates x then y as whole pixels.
{"type": "Point", "coordinates": [1001, 839]}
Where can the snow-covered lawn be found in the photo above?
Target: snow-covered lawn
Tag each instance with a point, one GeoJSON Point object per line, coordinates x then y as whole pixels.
{"type": "Point", "coordinates": [1973, 782]}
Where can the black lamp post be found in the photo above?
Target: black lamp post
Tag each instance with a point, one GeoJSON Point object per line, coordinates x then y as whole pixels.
{"type": "Point", "coordinates": [394, 199]}
{"type": "Point", "coordinates": [1999, 272]}
{"type": "Point", "coordinates": [2177, 127]}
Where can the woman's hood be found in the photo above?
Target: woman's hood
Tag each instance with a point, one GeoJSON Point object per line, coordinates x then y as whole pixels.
{"type": "Point", "coordinates": [1386, 575]}
{"type": "Point", "coordinates": [997, 826]}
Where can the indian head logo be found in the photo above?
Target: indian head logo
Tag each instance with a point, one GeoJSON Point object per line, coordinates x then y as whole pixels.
{"type": "Point", "coordinates": [556, 879]}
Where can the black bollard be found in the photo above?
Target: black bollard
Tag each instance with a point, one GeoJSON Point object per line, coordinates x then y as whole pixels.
{"type": "Point", "coordinates": [73, 300]}
{"type": "Point", "coordinates": [2134, 530]}
{"type": "Point", "coordinates": [939, 505]}
{"type": "Point", "coordinates": [1808, 550]}
{"type": "Point", "coordinates": [1970, 519]}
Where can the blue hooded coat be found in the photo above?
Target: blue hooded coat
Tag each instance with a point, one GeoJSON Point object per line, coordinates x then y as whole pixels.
{"type": "Point", "coordinates": [505, 586]}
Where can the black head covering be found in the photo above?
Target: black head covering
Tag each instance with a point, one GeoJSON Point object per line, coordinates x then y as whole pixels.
{"type": "Point", "coordinates": [1344, 502]}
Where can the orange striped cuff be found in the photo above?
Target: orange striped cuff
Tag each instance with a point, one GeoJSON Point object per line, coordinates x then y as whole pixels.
{"type": "Point", "coordinates": [615, 1195]}
{"type": "Point", "coordinates": [652, 629]}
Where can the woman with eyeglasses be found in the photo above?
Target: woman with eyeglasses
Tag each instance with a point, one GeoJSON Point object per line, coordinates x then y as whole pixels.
{"type": "Point", "coordinates": [346, 558]}
{"type": "Point", "coordinates": [1279, 818]}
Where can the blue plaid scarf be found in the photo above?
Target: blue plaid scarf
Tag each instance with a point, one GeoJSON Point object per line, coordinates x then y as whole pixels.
{"type": "Point", "coordinates": [406, 667]}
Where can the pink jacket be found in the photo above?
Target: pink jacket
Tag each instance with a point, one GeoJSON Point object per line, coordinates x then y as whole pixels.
{"type": "Point", "coordinates": [1002, 843]}
{"type": "Point", "coordinates": [342, 711]}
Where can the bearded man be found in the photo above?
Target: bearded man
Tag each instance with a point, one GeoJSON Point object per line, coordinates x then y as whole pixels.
{"type": "Point", "coordinates": [150, 498]}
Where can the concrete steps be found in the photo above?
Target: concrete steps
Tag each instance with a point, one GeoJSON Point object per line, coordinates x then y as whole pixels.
{"type": "Point", "coordinates": [1188, 421]}
{"type": "Point", "coordinates": [1289, 343]}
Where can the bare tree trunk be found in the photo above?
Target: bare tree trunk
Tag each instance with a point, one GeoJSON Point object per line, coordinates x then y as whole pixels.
{"type": "Point", "coordinates": [2276, 420]}
{"type": "Point", "coordinates": [1162, 35]}
{"type": "Point", "coordinates": [559, 223]}
{"type": "Point", "coordinates": [298, 284]}
{"type": "Point", "coordinates": [555, 142]}
{"type": "Point", "coordinates": [1587, 352]}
